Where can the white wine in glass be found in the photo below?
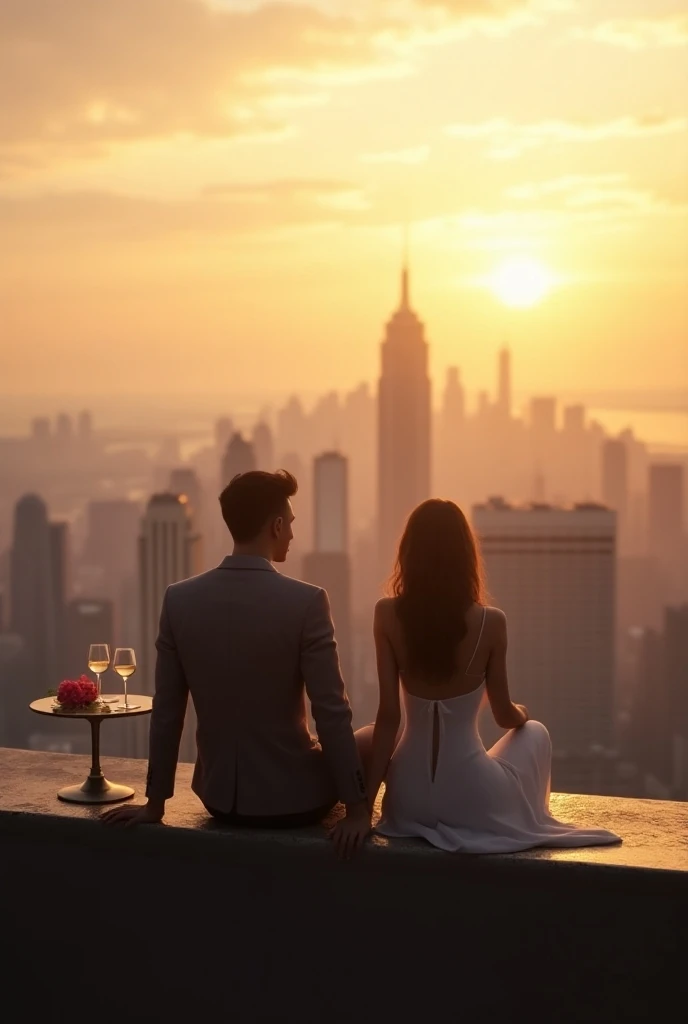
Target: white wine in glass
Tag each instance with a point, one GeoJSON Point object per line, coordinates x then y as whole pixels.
{"type": "Point", "coordinates": [124, 664]}
{"type": "Point", "coordinates": [98, 661]}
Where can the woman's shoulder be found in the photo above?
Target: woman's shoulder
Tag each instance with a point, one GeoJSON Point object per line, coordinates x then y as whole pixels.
{"type": "Point", "coordinates": [495, 620]}
{"type": "Point", "coordinates": [385, 610]}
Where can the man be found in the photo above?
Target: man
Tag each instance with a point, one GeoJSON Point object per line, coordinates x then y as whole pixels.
{"type": "Point", "coordinates": [243, 639]}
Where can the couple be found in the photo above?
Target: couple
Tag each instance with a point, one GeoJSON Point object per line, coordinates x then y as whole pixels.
{"type": "Point", "coordinates": [245, 640]}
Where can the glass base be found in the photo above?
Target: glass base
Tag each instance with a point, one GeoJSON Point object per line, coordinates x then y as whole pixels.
{"type": "Point", "coordinates": [95, 791]}
{"type": "Point", "coordinates": [127, 707]}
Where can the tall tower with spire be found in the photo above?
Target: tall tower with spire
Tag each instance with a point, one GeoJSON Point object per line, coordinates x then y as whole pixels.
{"type": "Point", "coordinates": [404, 420]}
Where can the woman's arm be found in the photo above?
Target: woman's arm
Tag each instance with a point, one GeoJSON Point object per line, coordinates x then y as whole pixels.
{"type": "Point", "coordinates": [507, 715]}
{"type": "Point", "coordinates": [388, 712]}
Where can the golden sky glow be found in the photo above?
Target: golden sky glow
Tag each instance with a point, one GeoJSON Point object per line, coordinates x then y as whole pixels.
{"type": "Point", "coordinates": [211, 196]}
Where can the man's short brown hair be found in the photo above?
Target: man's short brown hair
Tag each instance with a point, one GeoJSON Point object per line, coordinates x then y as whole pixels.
{"type": "Point", "coordinates": [251, 499]}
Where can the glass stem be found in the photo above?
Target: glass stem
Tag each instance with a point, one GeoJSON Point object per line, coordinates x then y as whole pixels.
{"type": "Point", "coordinates": [126, 699]}
{"type": "Point", "coordinates": [98, 683]}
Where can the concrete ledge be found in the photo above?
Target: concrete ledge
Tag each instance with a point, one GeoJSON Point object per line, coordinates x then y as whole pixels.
{"type": "Point", "coordinates": [230, 924]}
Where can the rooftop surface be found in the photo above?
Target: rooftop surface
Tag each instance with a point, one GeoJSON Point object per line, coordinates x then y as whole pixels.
{"type": "Point", "coordinates": [655, 833]}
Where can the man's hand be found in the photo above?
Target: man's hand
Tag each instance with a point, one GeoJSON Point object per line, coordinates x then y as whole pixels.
{"type": "Point", "coordinates": [350, 831]}
{"type": "Point", "coordinates": [135, 814]}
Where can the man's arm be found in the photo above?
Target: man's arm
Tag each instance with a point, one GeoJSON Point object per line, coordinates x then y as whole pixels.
{"type": "Point", "coordinates": [331, 709]}
{"type": "Point", "coordinates": [166, 725]}
{"type": "Point", "coordinates": [167, 718]}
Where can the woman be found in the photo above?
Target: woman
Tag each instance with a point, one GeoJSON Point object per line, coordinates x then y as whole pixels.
{"type": "Point", "coordinates": [439, 640]}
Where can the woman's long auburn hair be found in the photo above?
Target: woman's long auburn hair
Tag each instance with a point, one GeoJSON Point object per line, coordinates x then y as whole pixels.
{"type": "Point", "coordinates": [437, 578]}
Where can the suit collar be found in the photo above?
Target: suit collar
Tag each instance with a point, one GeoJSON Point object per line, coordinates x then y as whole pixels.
{"type": "Point", "coordinates": [246, 562]}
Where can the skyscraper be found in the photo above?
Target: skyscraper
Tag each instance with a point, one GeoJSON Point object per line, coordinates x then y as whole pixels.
{"type": "Point", "coordinates": [37, 588]}
{"type": "Point", "coordinates": [111, 532]}
{"type": "Point", "coordinates": [666, 534]}
{"type": "Point", "coordinates": [404, 425]}
{"type": "Point", "coordinates": [60, 574]}
{"type": "Point", "coordinates": [168, 553]}
{"type": "Point", "coordinates": [504, 384]}
{"type": "Point", "coordinates": [665, 509]}
{"type": "Point", "coordinates": [264, 447]}
{"type": "Point", "coordinates": [224, 428]}
{"type": "Point", "coordinates": [543, 416]}
{"type": "Point", "coordinates": [239, 457]}
{"type": "Point", "coordinates": [185, 481]}
{"type": "Point", "coordinates": [451, 435]}
{"type": "Point", "coordinates": [552, 571]}
{"type": "Point", "coordinates": [328, 565]}
{"type": "Point", "coordinates": [615, 479]}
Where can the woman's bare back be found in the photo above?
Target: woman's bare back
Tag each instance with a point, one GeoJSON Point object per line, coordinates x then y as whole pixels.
{"type": "Point", "coordinates": [472, 654]}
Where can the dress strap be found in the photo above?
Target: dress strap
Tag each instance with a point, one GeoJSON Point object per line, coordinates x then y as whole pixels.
{"type": "Point", "coordinates": [480, 636]}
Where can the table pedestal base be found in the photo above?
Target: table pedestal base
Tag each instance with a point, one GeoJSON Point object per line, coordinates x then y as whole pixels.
{"type": "Point", "coordinates": [95, 791]}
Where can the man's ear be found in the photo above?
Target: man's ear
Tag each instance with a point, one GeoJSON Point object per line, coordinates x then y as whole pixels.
{"type": "Point", "coordinates": [277, 525]}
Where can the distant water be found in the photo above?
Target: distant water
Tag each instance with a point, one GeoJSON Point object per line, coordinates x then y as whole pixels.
{"type": "Point", "coordinates": [658, 429]}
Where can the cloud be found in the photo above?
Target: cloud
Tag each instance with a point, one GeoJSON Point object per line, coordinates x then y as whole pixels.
{"type": "Point", "coordinates": [99, 220]}
{"type": "Point", "coordinates": [508, 139]}
{"type": "Point", "coordinates": [582, 192]}
{"type": "Point", "coordinates": [83, 74]}
{"type": "Point", "coordinates": [639, 33]}
{"type": "Point", "coordinates": [412, 155]}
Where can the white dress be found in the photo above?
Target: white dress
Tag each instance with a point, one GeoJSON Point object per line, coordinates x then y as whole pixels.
{"type": "Point", "coordinates": [478, 801]}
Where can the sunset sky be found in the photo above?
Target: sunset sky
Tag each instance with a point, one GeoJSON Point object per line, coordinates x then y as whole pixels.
{"type": "Point", "coordinates": [212, 196]}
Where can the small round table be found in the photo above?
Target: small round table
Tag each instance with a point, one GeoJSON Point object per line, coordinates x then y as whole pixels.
{"type": "Point", "coordinates": [96, 789]}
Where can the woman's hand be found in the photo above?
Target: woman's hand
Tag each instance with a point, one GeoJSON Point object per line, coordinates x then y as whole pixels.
{"type": "Point", "coordinates": [350, 832]}
{"type": "Point", "coordinates": [524, 711]}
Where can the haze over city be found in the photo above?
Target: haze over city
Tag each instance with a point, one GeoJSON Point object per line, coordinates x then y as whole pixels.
{"type": "Point", "coordinates": [401, 249]}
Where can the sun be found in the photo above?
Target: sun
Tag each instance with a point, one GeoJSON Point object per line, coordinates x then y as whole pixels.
{"type": "Point", "coordinates": [521, 282]}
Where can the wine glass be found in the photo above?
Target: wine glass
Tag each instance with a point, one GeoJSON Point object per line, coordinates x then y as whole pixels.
{"type": "Point", "coordinates": [124, 664]}
{"type": "Point", "coordinates": [98, 661]}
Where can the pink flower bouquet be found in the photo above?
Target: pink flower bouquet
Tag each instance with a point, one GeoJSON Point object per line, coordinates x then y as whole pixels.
{"type": "Point", "coordinates": [77, 693]}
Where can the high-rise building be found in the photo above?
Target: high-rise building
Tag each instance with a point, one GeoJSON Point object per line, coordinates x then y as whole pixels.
{"type": "Point", "coordinates": [40, 429]}
{"type": "Point", "coordinates": [574, 419]}
{"type": "Point", "coordinates": [185, 481]}
{"type": "Point", "coordinates": [552, 571]}
{"type": "Point", "coordinates": [504, 384]}
{"type": "Point", "coordinates": [239, 457]}
{"type": "Point", "coordinates": [85, 425]}
{"type": "Point", "coordinates": [18, 688]}
{"type": "Point", "coordinates": [168, 553]}
{"type": "Point", "coordinates": [676, 674]}
{"type": "Point", "coordinates": [110, 547]}
{"type": "Point", "coordinates": [404, 425]}
{"type": "Point", "coordinates": [328, 565]}
{"type": "Point", "coordinates": [665, 509]}
{"type": "Point", "coordinates": [224, 428]}
{"type": "Point", "coordinates": [451, 435]}
{"type": "Point", "coordinates": [331, 491]}
{"type": "Point", "coordinates": [666, 532]}
{"type": "Point", "coordinates": [64, 428]}
{"type": "Point", "coordinates": [264, 447]}
{"type": "Point", "coordinates": [543, 416]}
{"type": "Point", "coordinates": [37, 594]}
{"type": "Point", "coordinates": [615, 480]}
{"type": "Point", "coordinates": [60, 565]}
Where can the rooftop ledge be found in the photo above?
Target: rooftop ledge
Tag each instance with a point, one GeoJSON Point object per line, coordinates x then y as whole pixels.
{"type": "Point", "coordinates": [655, 832]}
{"type": "Point", "coordinates": [261, 925]}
